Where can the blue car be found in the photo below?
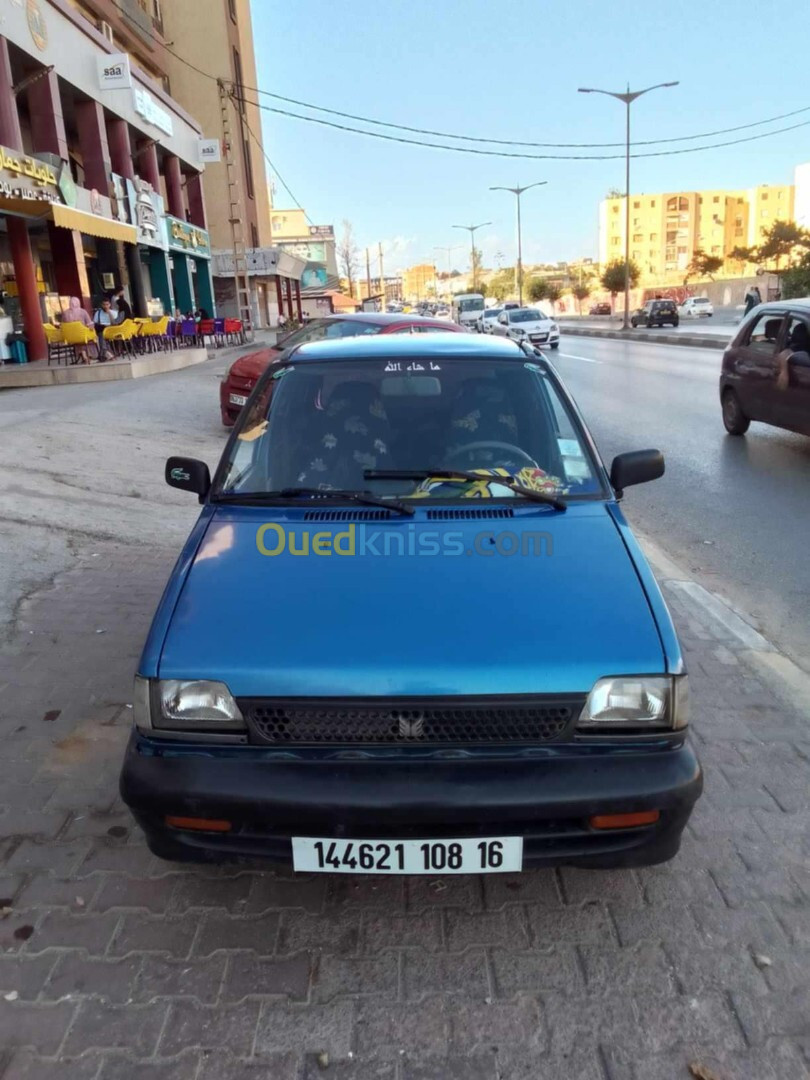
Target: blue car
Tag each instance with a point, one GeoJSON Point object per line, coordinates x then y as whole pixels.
{"type": "Point", "coordinates": [412, 631]}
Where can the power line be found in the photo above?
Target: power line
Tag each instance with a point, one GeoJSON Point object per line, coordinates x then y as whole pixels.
{"type": "Point", "coordinates": [283, 182]}
{"type": "Point", "coordinates": [502, 154]}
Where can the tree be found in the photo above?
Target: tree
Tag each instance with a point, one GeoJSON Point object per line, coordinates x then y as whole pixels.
{"type": "Point", "coordinates": [502, 283]}
{"type": "Point", "coordinates": [538, 289]}
{"type": "Point", "coordinates": [613, 278]}
{"type": "Point", "coordinates": [347, 255]}
{"type": "Point", "coordinates": [796, 280]}
{"type": "Point", "coordinates": [742, 255]}
{"type": "Point", "coordinates": [703, 265]}
{"type": "Point", "coordinates": [614, 193]}
{"type": "Point", "coordinates": [553, 294]}
{"type": "Point", "coordinates": [780, 242]}
{"type": "Point", "coordinates": [477, 266]}
{"type": "Point", "coordinates": [581, 292]}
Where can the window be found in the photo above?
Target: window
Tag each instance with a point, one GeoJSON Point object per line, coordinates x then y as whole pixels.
{"type": "Point", "coordinates": [738, 231]}
{"type": "Point", "coordinates": [779, 194]}
{"type": "Point", "coordinates": [740, 202]}
{"type": "Point", "coordinates": [764, 196]}
{"type": "Point", "coordinates": [716, 250]}
{"type": "Point", "coordinates": [672, 204]}
{"type": "Point", "coordinates": [615, 209]}
{"type": "Point", "coordinates": [716, 198]}
{"type": "Point", "coordinates": [765, 334]}
{"type": "Point", "coordinates": [652, 254]}
{"type": "Point", "coordinates": [738, 221]}
{"type": "Point", "coordinates": [636, 205]}
{"type": "Point", "coordinates": [764, 213]}
{"type": "Point", "coordinates": [254, 235]}
{"type": "Point", "coordinates": [237, 76]}
{"type": "Point", "coordinates": [652, 202]}
{"type": "Point", "coordinates": [614, 240]}
{"type": "Point", "coordinates": [700, 199]}
{"type": "Point", "coordinates": [654, 237]}
{"type": "Point", "coordinates": [636, 220]}
{"type": "Point", "coordinates": [798, 336]}
{"type": "Point", "coordinates": [232, 9]}
{"type": "Point", "coordinates": [638, 238]}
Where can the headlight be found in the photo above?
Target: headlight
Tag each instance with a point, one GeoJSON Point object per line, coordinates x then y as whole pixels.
{"type": "Point", "coordinates": [554, 328]}
{"type": "Point", "coordinates": [642, 703]}
{"type": "Point", "coordinates": [185, 705]}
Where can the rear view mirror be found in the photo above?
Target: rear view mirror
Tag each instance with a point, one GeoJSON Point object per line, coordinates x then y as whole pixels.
{"type": "Point", "coordinates": [635, 467]}
{"type": "Point", "coordinates": [188, 474]}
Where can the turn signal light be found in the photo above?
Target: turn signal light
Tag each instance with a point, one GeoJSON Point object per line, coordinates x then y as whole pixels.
{"type": "Point", "coordinates": [201, 824]}
{"type": "Point", "coordinates": [624, 821]}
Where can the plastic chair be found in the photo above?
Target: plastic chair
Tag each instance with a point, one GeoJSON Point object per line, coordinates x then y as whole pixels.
{"type": "Point", "coordinates": [77, 336]}
{"type": "Point", "coordinates": [122, 335]}
{"type": "Point", "coordinates": [57, 346]}
{"type": "Point", "coordinates": [155, 334]}
{"type": "Point", "coordinates": [234, 331]}
{"type": "Point", "coordinates": [188, 329]}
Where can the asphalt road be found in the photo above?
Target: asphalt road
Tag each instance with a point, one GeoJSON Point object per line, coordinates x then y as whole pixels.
{"type": "Point", "coordinates": [733, 512]}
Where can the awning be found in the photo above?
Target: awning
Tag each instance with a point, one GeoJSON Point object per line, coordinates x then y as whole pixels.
{"type": "Point", "coordinates": [92, 224]}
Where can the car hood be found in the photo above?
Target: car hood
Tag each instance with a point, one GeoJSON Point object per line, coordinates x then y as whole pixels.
{"type": "Point", "coordinates": [542, 325]}
{"type": "Point", "coordinates": [409, 624]}
{"type": "Point", "coordinates": [253, 365]}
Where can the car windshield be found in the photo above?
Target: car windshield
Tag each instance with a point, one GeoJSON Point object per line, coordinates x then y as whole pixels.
{"type": "Point", "coordinates": [471, 304]}
{"type": "Point", "coordinates": [526, 315]}
{"type": "Point", "coordinates": [318, 329]}
{"type": "Point", "coordinates": [493, 313]}
{"type": "Point", "coordinates": [321, 425]}
{"type": "Point", "coordinates": [700, 300]}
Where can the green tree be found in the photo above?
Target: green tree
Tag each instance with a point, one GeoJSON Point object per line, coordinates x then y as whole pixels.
{"type": "Point", "coordinates": [780, 242]}
{"type": "Point", "coordinates": [581, 292]}
{"type": "Point", "coordinates": [538, 289]}
{"type": "Point", "coordinates": [703, 265]}
{"type": "Point", "coordinates": [613, 278]}
{"type": "Point", "coordinates": [796, 280]}
{"type": "Point", "coordinates": [502, 284]}
{"type": "Point", "coordinates": [477, 267]}
{"type": "Point", "coordinates": [742, 255]}
{"type": "Point", "coordinates": [553, 294]}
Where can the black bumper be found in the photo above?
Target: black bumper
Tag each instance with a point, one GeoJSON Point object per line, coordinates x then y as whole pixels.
{"type": "Point", "coordinates": [544, 796]}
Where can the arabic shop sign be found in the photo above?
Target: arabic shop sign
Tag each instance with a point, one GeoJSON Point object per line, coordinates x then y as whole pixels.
{"type": "Point", "coordinates": [188, 238]}
{"type": "Point", "coordinates": [140, 205]}
{"type": "Point", "coordinates": [148, 108]}
{"type": "Point", "coordinates": [27, 179]}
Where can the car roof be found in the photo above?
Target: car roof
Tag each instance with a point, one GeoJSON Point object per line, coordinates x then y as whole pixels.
{"type": "Point", "coordinates": [782, 305]}
{"type": "Point", "coordinates": [380, 318]}
{"type": "Point", "coordinates": [432, 346]}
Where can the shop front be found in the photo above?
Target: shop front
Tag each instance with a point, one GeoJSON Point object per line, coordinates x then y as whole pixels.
{"type": "Point", "coordinates": [275, 285]}
{"type": "Point", "coordinates": [139, 205]}
{"type": "Point", "coordinates": [190, 250]}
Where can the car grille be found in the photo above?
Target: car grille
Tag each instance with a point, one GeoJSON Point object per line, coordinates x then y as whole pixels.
{"type": "Point", "coordinates": [300, 721]}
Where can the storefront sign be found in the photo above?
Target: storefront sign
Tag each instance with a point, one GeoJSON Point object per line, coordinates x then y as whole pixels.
{"type": "Point", "coordinates": [36, 24]}
{"type": "Point", "coordinates": [67, 185]}
{"type": "Point", "coordinates": [322, 232]}
{"type": "Point", "coordinates": [140, 205]}
{"type": "Point", "coordinates": [113, 71]}
{"type": "Point", "coordinates": [188, 238]}
{"type": "Point", "coordinates": [148, 108]}
{"type": "Point", "coordinates": [303, 250]}
{"type": "Point", "coordinates": [209, 151]}
{"type": "Point", "coordinates": [26, 179]}
{"type": "Point", "coordinates": [314, 277]}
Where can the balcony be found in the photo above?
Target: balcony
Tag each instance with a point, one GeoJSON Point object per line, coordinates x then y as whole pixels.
{"type": "Point", "coordinates": [138, 15]}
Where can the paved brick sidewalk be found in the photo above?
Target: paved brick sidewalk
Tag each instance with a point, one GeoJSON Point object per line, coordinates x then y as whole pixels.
{"type": "Point", "coordinates": [115, 966]}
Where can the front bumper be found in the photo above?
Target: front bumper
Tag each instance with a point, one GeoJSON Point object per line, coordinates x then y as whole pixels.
{"type": "Point", "coordinates": [545, 795]}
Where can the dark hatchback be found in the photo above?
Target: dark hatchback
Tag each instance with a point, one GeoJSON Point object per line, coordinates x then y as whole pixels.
{"type": "Point", "coordinates": [766, 369]}
{"type": "Point", "coordinates": [412, 630]}
{"type": "Point", "coordinates": [656, 313]}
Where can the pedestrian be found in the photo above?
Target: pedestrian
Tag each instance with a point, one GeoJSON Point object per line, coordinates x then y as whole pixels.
{"type": "Point", "coordinates": [103, 317]}
{"type": "Point", "coordinates": [76, 314]}
{"type": "Point", "coordinates": [752, 298]}
{"type": "Point", "coordinates": [123, 310]}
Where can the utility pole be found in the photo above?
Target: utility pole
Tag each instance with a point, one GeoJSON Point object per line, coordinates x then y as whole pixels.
{"type": "Point", "coordinates": [471, 229]}
{"type": "Point", "coordinates": [382, 278]}
{"type": "Point", "coordinates": [368, 276]}
{"type": "Point", "coordinates": [241, 277]}
{"type": "Point", "coordinates": [517, 192]}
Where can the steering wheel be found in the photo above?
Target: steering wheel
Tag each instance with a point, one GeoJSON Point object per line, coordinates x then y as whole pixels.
{"type": "Point", "coordinates": [509, 448]}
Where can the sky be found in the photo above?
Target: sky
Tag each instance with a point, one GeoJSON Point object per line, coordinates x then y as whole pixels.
{"type": "Point", "coordinates": [510, 70]}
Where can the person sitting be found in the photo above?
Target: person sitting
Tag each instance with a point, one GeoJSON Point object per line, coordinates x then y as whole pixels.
{"type": "Point", "coordinates": [103, 317]}
{"type": "Point", "coordinates": [76, 314]}
{"type": "Point", "coordinates": [122, 307]}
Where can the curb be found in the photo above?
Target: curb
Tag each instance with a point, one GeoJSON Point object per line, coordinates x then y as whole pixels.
{"type": "Point", "coordinates": [700, 341]}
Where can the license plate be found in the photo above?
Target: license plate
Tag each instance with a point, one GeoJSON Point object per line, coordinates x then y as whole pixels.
{"type": "Point", "coordinates": [237, 399]}
{"type": "Point", "coordinates": [493, 855]}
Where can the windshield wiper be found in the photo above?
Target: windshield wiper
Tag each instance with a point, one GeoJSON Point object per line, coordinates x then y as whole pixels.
{"type": "Point", "coordinates": [365, 498]}
{"type": "Point", "coordinates": [462, 475]}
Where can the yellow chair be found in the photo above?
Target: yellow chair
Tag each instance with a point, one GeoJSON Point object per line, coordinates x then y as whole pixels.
{"type": "Point", "coordinates": [122, 335]}
{"type": "Point", "coordinates": [57, 346]}
{"type": "Point", "coordinates": [77, 336]}
{"type": "Point", "coordinates": [155, 334]}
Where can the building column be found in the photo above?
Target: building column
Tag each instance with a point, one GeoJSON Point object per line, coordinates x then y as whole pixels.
{"type": "Point", "coordinates": [48, 136]}
{"type": "Point", "coordinates": [174, 186]}
{"type": "Point", "coordinates": [121, 152]}
{"type": "Point", "coordinates": [205, 287]}
{"type": "Point", "coordinates": [183, 289]}
{"type": "Point", "coordinates": [196, 202]}
{"type": "Point", "coordinates": [162, 279]}
{"type": "Point", "coordinates": [95, 149]}
{"type": "Point", "coordinates": [279, 297]}
{"type": "Point", "coordinates": [289, 296]}
{"type": "Point", "coordinates": [148, 167]}
{"type": "Point", "coordinates": [298, 300]}
{"type": "Point", "coordinates": [19, 240]}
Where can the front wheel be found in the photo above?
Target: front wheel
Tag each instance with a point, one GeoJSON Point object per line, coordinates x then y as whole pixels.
{"type": "Point", "coordinates": [734, 419]}
{"type": "Point", "coordinates": [634, 324]}
{"type": "Point", "coordinates": [675, 322]}
{"type": "Point", "coordinates": [555, 344]}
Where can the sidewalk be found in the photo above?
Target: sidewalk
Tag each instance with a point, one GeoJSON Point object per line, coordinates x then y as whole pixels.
{"type": "Point", "coordinates": [115, 966]}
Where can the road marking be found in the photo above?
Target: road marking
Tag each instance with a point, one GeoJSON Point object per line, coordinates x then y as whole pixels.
{"type": "Point", "coordinates": [573, 356]}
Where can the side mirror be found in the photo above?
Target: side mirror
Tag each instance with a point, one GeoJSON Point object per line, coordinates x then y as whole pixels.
{"type": "Point", "coordinates": [188, 474]}
{"type": "Point", "coordinates": [635, 467]}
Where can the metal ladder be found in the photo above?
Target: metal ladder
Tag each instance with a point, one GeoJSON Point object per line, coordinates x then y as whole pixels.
{"type": "Point", "coordinates": [240, 267]}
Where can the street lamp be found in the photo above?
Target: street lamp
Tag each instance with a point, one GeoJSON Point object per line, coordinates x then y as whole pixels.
{"type": "Point", "coordinates": [471, 230]}
{"type": "Point", "coordinates": [517, 192]}
{"type": "Point", "coordinates": [449, 251]}
{"type": "Point", "coordinates": [628, 98]}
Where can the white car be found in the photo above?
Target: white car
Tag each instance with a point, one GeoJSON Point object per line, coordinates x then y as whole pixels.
{"type": "Point", "coordinates": [528, 324]}
{"type": "Point", "coordinates": [696, 307]}
{"type": "Point", "coordinates": [487, 320]}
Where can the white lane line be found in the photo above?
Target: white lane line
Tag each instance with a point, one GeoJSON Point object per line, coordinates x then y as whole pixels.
{"type": "Point", "coordinates": [573, 356]}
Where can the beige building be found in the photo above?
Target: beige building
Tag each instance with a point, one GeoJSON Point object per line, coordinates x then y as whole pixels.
{"type": "Point", "coordinates": [217, 37]}
{"type": "Point", "coordinates": [668, 227]}
{"type": "Point", "coordinates": [419, 282]}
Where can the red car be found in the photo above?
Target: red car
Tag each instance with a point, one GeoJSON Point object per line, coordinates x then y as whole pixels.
{"type": "Point", "coordinates": [244, 373]}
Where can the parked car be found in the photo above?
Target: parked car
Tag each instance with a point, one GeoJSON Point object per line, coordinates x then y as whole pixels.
{"type": "Point", "coordinates": [487, 319]}
{"type": "Point", "coordinates": [528, 324]}
{"type": "Point", "coordinates": [600, 309]}
{"type": "Point", "coordinates": [656, 313]}
{"type": "Point", "coordinates": [359, 697]}
{"type": "Point", "coordinates": [696, 307]}
{"type": "Point", "coordinates": [508, 305]}
{"type": "Point", "coordinates": [245, 372]}
{"type": "Point", "coordinates": [766, 369]}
